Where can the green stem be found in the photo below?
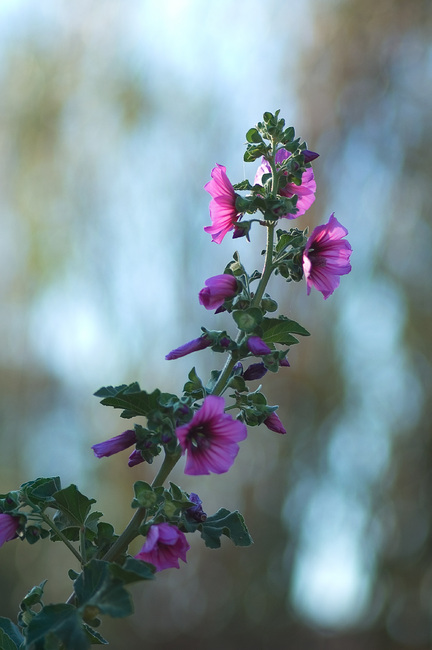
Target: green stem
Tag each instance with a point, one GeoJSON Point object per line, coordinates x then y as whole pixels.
{"type": "Point", "coordinates": [268, 266]}
{"type": "Point", "coordinates": [131, 530]}
{"type": "Point", "coordinates": [64, 539]}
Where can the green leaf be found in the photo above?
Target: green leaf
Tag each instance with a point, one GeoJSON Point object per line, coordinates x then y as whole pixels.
{"type": "Point", "coordinates": [73, 504]}
{"type": "Point", "coordinates": [12, 631]}
{"type": "Point", "coordinates": [280, 330]}
{"type": "Point", "coordinates": [133, 571]}
{"type": "Point", "coordinates": [194, 386]}
{"type": "Point", "coordinates": [99, 587]}
{"type": "Point", "coordinates": [253, 136]}
{"type": "Point", "coordinates": [243, 185]}
{"type": "Point", "coordinates": [94, 637]}
{"type": "Point", "coordinates": [40, 491]}
{"type": "Point", "coordinates": [64, 622]}
{"type": "Point", "coordinates": [6, 642]}
{"type": "Point", "coordinates": [224, 522]}
{"type": "Point", "coordinates": [133, 400]}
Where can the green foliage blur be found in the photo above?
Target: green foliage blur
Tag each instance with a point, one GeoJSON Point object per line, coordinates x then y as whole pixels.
{"type": "Point", "coordinates": [112, 117]}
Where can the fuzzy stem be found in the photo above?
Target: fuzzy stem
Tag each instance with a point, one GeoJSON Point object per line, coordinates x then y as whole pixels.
{"type": "Point", "coordinates": [64, 539]}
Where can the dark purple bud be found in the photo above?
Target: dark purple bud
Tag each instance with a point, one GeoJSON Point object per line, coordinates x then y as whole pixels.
{"type": "Point", "coordinates": [192, 346]}
{"type": "Point", "coordinates": [238, 368]}
{"type": "Point", "coordinates": [116, 444]}
{"type": "Point", "coordinates": [273, 423]}
{"type": "Point", "coordinates": [135, 458]}
{"type": "Point", "coordinates": [284, 362]}
{"type": "Point", "coordinates": [224, 342]}
{"type": "Point", "coordinates": [255, 371]}
{"type": "Point", "coordinates": [196, 512]}
{"type": "Point", "coordinates": [309, 155]}
{"type": "Point", "coordinates": [257, 346]}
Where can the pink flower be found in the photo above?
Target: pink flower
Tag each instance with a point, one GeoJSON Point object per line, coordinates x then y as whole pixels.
{"type": "Point", "coordinates": [305, 191]}
{"type": "Point", "coordinates": [326, 257]}
{"type": "Point", "coordinates": [187, 348]}
{"type": "Point", "coordinates": [273, 423]}
{"type": "Point", "coordinates": [210, 438]}
{"type": "Point", "coordinates": [164, 545]}
{"type": "Point", "coordinates": [223, 212]}
{"type": "Point", "coordinates": [8, 528]}
{"type": "Point", "coordinates": [217, 290]}
{"type": "Point", "coordinates": [116, 444]}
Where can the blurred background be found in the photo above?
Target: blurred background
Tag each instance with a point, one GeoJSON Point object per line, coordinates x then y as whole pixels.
{"type": "Point", "coordinates": [112, 116]}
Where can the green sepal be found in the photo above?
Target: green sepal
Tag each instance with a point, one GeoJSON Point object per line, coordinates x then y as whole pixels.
{"type": "Point", "coordinates": [194, 387]}
{"type": "Point", "coordinates": [223, 522]}
{"type": "Point", "coordinates": [145, 496]}
{"type": "Point", "coordinates": [248, 319]}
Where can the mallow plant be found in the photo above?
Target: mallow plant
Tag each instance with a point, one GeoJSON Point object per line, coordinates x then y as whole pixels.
{"type": "Point", "coordinates": [203, 426]}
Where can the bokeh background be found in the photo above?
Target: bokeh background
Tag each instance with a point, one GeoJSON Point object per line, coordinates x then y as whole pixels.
{"type": "Point", "coordinates": [112, 115]}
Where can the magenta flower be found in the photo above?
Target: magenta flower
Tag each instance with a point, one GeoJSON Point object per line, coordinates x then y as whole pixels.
{"type": "Point", "coordinates": [116, 444]}
{"type": "Point", "coordinates": [8, 528]}
{"type": "Point", "coordinates": [210, 438]}
{"type": "Point", "coordinates": [217, 290]}
{"type": "Point", "coordinates": [305, 191]}
{"type": "Point", "coordinates": [164, 545]}
{"type": "Point", "coordinates": [223, 212]}
{"type": "Point", "coordinates": [187, 348]}
{"type": "Point", "coordinates": [257, 346]}
{"type": "Point", "coordinates": [326, 257]}
{"type": "Point", "coordinates": [273, 423]}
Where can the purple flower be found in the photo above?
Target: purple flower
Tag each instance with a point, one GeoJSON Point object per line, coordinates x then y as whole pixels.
{"type": "Point", "coordinates": [187, 348]}
{"type": "Point", "coordinates": [8, 528]}
{"type": "Point", "coordinates": [257, 346]}
{"type": "Point", "coordinates": [273, 423]}
{"type": "Point", "coordinates": [164, 545]}
{"type": "Point", "coordinates": [255, 371]}
{"type": "Point", "coordinates": [116, 444]}
{"type": "Point", "coordinates": [326, 257]}
{"type": "Point", "coordinates": [223, 212]}
{"type": "Point", "coordinates": [305, 191]}
{"type": "Point", "coordinates": [217, 290]}
{"type": "Point", "coordinates": [210, 438]}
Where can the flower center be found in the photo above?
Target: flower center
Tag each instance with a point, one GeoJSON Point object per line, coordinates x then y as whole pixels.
{"type": "Point", "coordinates": [199, 438]}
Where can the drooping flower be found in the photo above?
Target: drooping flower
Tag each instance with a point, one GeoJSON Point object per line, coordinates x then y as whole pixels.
{"type": "Point", "coordinates": [273, 423]}
{"type": "Point", "coordinates": [163, 547]}
{"type": "Point", "coordinates": [8, 527]}
{"type": "Point", "coordinates": [326, 257]}
{"type": "Point", "coordinates": [305, 191]}
{"type": "Point", "coordinates": [218, 288]}
{"type": "Point", "coordinates": [223, 212]}
{"type": "Point", "coordinates": [210, 438]}
{"type": "Point", "coordinates": [187, 348]}
{"type": "Point", "coordinates": [116, 444]}
{"type": "Point", "coordinates": [257, 346]}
